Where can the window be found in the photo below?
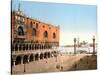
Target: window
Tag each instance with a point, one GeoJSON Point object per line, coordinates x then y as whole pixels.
{"type": "Point", "coordinates": [43, 26]}
{"type": "Point", "coordinates": [45, 34]}
{"type": "Point", "coordinates": [36, 25]}
{"type": "Point", "coordinates": [33, 32]}
{"type": "Point", "coordinates": [31, 24]}
{"type": "Point", "coordinates": [20, 31]}
{"type": "Point", "coordinates": [54, 35]}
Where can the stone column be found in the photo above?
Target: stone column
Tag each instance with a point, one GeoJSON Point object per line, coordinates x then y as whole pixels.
{"type": "Point", "coordinates": [14, 62]}
{"type": "Point", "coordinates": [25, 46]}
{"type": "Point", "coordinates": [40, 47]}
{"type": "Point", "coordinates": [22, 60]}
{"type": "Point", "coordinates": [43, 57]}
{"type": "Point", "coordinates": [33, 58]}
{"type": "Point", "coordinates": [50, 54]}
{"type": "Point", "coordinates": [28, 47]}
{"type": "Point", "coordinates": [31, 47]}
{"type": "Point", "coordinates": [37, 46]}
{"type": "Point", "coordinates": [22, 47]}
{"type": "Point", "coordinates": [13, 47]}
{"type": "Point", "coordinates": [34, 46]}
{"type": "Point", "coordinates": [28, 58]}
{"type": "Point", "coordinates": [93, 45]}
{"type": "Point", "coordinates": [39, 56]}
{"type": "Point", "coordinates": [46, 55]}
{"type": "Point", "coordinates": [18, 47]}
{"type": "Point", "coordinates": [74, 45]}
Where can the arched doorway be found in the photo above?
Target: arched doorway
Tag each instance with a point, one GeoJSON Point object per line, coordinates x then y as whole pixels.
{"type": "Point", "coordinates": [49, 55]}
{"type": "Point", "coordinates": [18, 60]}
{"type": "Point", "coordinates": [36, 57]}
{"type": "Point", "coordinates": [41, 56]}
{"type": "Point", "coordinates": [45, 55]}
{"type": "Point", "coordinates": [25, 59]}
{"type": "Point", "coordinates": [31, 58]}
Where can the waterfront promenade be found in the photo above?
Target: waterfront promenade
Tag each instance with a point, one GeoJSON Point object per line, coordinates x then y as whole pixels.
{"type": "Point", "coordinates": [64, 62]}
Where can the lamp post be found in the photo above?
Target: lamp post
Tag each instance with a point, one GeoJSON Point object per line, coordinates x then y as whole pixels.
{"type": "Point", "coordinates": [56, 57]}
{"type": "Point", "coordinates": [24, 68]}
{"type": "Point", "coordinates": [93, 45]}
{"type": "Point", "coordinates": [74, 45]}
{"type": "Point", "coordinates": [25, 64]}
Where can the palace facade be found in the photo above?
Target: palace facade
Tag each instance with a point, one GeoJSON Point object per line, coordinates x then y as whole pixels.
{"type": "Point", "coordinates": [32, 40]}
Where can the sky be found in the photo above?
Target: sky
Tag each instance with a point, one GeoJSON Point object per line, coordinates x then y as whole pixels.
{"type": "Point", "coordinates": [75, 20]}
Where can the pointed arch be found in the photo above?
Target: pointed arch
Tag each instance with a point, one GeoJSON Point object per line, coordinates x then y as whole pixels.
{"type": "Point", "coordinates": [33, 32]}
{"type": "Point", "coordinates": [45, 34]}
{"type": "Point", "coordinates": [54, 35]}
{"type": "Point", "coordinates": [20, 31]}
{"type": "Point", "coordinates": [18, 60]}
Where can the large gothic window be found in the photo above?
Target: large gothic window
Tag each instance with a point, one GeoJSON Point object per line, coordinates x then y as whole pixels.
{"type": "Point", "coordinates": [31, 24]}
{"type": "Point", "coordinates": [45, 34]}
{"type": "Point", "coordinates": [54, 35]}
{"type": "Point", "coordinates": [20, 31]}
{"type": "Point", "coordinates": [33, 32]}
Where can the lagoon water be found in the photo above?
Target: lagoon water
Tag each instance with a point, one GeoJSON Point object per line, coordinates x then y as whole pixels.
{"type": "Point", "coordinates": [71, 49]}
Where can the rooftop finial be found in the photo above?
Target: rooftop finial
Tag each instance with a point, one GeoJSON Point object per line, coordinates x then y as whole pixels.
{"type": "Point", "coordinates": [19, 7]}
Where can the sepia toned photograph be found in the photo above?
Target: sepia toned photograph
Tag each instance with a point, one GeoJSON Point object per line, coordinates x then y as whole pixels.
{"type": "Point", "coordinates": [52, 37]}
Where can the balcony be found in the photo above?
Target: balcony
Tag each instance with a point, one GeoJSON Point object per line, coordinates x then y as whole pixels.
{"type": "Point", "coordinates": [21, 37]}
{"type": "Point", "coordinates": [21, 52]}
